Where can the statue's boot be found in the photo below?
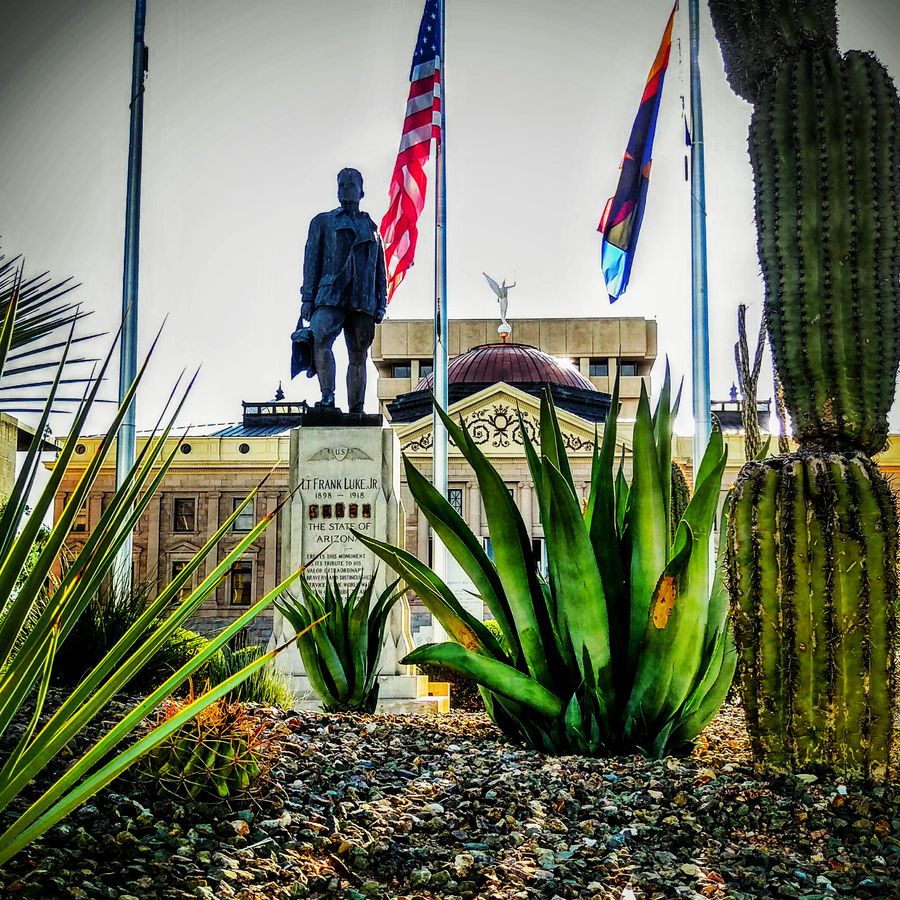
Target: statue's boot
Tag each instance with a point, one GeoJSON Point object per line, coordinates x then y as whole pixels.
{"type": "Point", "coordinates": [325, 370]}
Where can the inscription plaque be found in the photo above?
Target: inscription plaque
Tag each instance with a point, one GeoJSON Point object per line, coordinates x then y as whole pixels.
{"type": "Point", "coordinates": [332, 505]}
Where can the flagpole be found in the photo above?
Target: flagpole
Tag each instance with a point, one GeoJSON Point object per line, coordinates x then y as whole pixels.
{"type": "Point", "coordinates": [128, 348]}
{"type": "Point", "coordinates": [699, 284]}
{"type": "Point", "coordinates": [439, 449]}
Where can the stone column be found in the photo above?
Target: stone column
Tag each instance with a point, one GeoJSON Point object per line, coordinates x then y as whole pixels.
{"type": "Point", "coordinates": [423, 530]}
{"type": "Point", "coordinates": [525, 495]}
{"type": "Point", "coordinates": [162, 576]}
{"type": "Point", "coordinates": [270, 572]}
{"type": "Point", "coordinates": [212, 523]}
{"type": "Point", "coordinates": [474, 498]}
{"type": "Point", "coordinates": [95, 502]}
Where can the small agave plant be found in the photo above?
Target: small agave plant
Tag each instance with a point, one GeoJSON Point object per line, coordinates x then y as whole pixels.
{"type": "Point", "coordinates": [341, 657]}
{"type": "Point", "coordinates": [625, 646]}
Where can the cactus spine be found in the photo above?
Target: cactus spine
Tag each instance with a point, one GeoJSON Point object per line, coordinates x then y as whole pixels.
{"type": "Point", "coordinates": [812, 543]}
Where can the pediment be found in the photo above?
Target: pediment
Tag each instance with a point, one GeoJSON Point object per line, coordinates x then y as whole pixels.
{"type": "Point", "coordinates": [492, 417]}
{"type": "Point", "coordinates": [182, 547]}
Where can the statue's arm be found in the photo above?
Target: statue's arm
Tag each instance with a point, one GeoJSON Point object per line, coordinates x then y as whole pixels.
{"type": "Point", "coordinates": [380, 282]}
{"type": "Point", "coordinates": [312, 268]}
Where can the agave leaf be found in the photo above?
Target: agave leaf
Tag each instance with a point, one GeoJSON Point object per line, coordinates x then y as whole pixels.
{"type": "Point", "coordinates": [658, 651]}
{"type": "Point", "coordinates": [513, 556]}
{"type": "Point", "coordinates": [648, 524]}
{"type": "Point", "coordinates": [497, 677]}
{"type": "Point", "coordinates": [326, 644]}
{"type": "Point", "coordinates": [704, 701]}
{"type": "Point", "coordinates": [623, 491]}
{"type": "Point", "coordinates": [358, 637]}
{"type": "Point", "coordinates": [675, 650]}
{"type": "Point", "coordinates": [437, 597]}
{"type": "Point", "coordinates": [552, 445]}
{"type": "Point", "coordinates": [377, 626]}
{"type": "Point", "coordinates": [719, 601]}
{"type": "Point", "coordinates": [580, 602]}
{"type": "Point", "coordinates": [604, 535]}
{"type": "Point", "coordinates": [463, 545]}
{"type": "Point", "coordinates": [662, 437]}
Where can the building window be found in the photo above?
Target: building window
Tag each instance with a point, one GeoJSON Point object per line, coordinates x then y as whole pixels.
{"type": "Point", "coordinates": [401, 370]}
{"type": "Point", "coordinates": [177, 568]}
{"type": "Point", "coordinates": [488, 548]}
{"type": "Point", "coordinates": [426, 367]}
{"type": "Point", "coordinates": [455, 496]}
{"type": "Point", "coordinates": [241, 582]}
{"type": "Point", "coordinates": [246, 520]}
{"type": "Point", "coordinates": [628, 369]}
{"type": "Point", "coordinates": [598, 368]}
{"type": "Point", "coordinates": [185, 514]}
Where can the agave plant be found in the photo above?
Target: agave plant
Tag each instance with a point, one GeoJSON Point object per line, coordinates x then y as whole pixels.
{"type": "Point", "coordinates": [625, 646]}
{"type": "Point", "coordinates": [341, 658]}
{"type": "Point", "coordinates": [26, 663]}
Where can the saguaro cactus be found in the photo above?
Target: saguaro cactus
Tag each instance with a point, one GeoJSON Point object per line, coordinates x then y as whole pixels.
{"type": "Point", "coordinates": [812, 544]}
{"type": "Point", "coordinates": [812, 552]}
{"type": "Point", "coordinates": [825, 150]}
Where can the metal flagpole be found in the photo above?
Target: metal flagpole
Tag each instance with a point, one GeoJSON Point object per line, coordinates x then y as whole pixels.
{"type": "Point", "coordinates": [700, 298]}
{"type": "Point", "coordinates": [439, 449]}
{"type": "Point", "coordinates": [128, 351]}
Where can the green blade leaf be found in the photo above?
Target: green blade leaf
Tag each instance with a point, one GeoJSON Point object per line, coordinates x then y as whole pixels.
{"type": "Point", "coordinates": [580, 601]}
{"type": "Point", "coordinates": [463, 546]}
{"type": "Point", "coordinates": [492, 674]}
{"type": "Point", "coordinates": [513, 556]}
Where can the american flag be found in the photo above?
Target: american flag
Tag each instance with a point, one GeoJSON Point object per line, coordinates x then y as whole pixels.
{"type": "Point", "coordinates": [422, 123]}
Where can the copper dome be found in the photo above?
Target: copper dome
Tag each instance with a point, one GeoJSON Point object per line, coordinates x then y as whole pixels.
{"type": "Point", "coordinates": [512, 363]}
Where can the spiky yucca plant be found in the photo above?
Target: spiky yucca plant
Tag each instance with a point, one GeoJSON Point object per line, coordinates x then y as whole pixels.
{"type": "Point", "coordinates": [813, 538]}
{"type": "Point", "coordinates": [35, 623]}
{"type": "Point", "coordinates": [341, 658]}
{"type": "Point", "coordinates": [622, 648]}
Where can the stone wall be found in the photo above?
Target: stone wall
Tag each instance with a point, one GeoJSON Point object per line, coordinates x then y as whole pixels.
{"type": "Point", "coordinates": [8, 439]}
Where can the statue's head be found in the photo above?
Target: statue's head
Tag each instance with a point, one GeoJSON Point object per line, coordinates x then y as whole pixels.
{"type": "Point", "coordinates": [350, 186]}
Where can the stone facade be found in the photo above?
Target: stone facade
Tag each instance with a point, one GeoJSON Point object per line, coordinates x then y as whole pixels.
{"type": "Point", "coordinates": [208, 476]}
{"type": "Point", "coordinates": [9, 437]}
{"type": "Point", "coordinates": [598, 347]}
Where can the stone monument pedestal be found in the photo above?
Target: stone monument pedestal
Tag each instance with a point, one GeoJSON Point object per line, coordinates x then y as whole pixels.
{"type": "Point", "coordinates": [349, 477]}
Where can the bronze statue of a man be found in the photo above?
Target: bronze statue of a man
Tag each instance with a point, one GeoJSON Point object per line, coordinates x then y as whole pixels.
{"type": "Point", "coordinates": [344, 288]}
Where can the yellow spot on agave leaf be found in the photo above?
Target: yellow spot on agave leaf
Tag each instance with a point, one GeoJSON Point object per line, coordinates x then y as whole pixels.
{"type": "Point", "coordinates": [664, 602]}
{"type": "Point", "coordinates": [468, 639]}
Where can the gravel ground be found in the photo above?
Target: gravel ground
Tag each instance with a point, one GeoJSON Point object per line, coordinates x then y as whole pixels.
{"type": "Point", "coordinates": [400, 807]}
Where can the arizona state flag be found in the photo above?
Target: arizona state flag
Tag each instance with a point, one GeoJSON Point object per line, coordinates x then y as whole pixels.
{"type": "Point", "coordinates": [621, 222]}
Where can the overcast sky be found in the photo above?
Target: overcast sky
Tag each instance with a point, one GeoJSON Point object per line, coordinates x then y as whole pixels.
{"type": "Point", "coordinates": [252, 108]}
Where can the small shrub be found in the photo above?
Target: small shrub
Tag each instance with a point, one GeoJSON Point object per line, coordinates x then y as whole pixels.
{"type": "Point", "coordinates": [108, 615]}
{"type": "Point", "coordinates": [266, 686]}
